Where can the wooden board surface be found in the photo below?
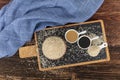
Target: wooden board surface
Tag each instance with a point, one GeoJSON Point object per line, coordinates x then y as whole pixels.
{"type": "Point", "coordinates": [27, 69]}
{"type": "Point", "coordinates": [74, 56]}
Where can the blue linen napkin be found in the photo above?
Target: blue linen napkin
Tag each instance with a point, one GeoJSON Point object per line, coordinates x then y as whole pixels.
{"type": "Point", "coordinates": [21, 18]}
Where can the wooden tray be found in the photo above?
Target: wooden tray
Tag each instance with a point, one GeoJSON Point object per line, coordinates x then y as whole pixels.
{"type": "Point", "coordinates": [74, 56]}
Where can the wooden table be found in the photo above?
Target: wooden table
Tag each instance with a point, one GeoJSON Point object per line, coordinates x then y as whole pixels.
{"type": "Point", "coordinates": [27, 69]}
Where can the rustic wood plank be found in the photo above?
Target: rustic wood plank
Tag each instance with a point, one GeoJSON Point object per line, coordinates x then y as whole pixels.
{"type": "Point", "coordinates": [3, 2]}
{"type": "Point", "coordinates": [27, 69]}
{"type": "Point", "coordinates": [110, 13]}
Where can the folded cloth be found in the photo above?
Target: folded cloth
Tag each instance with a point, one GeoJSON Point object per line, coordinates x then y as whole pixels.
{"type": "Point", "coordinates": [21, 18]}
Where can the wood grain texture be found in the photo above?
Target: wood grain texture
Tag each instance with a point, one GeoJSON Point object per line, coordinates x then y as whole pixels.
{"type": "Point", "coordinates": [15, 68]}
